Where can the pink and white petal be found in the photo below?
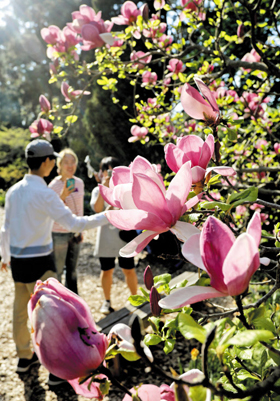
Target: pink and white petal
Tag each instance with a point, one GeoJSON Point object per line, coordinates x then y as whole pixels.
{"type": "Point", "coordinates": [82, 389]}
{"type": "Point", "coordinates": [205, 156]}
{"type": "Point", "coordinates": [88, 12]}
{"type": "Point", "coordinates": [184, 231]}
{"type": "Point", "coordinates": [189, 295]}
{"type": "Point", "coordinates": [191, 145]}
{"type": "Point", "coordinates": [215, 243]}
{"type": "Point", "coordinates": [178, 191]}
{"type": "Point", "coordinates": [157, 179]}
{"type": "Point", "coordinates": [174, 157]}
{"type": "Point", "coordinates": [128, 8]}
{"type": "Point", "coordinates": [207, 94]}
{"type": "Point", "coordinates": [107, 37]}
{"type": "Point", "coordinates": [191, 251]}
{"type": "Point", "coordinates": [134, 219]}
{"type": "Point", "coordinates": [107, 194]}
{"type": "Point", "coordinates": [198, 174]}
{"type": "Point", "coordinates": [149, 197]}
{"type": "Point", "coordinates": [240, 264]}
{"type": "Point", "coordinates": [194, 104]}
{"type": "Point", "coordinates": [210, 142]}
{"type": "Point", "coordinates": [120, 175]}
{"type": "Point", "coordinates": [123, 196]}
{"type": "Point", "coordinates": [140, 165]}
{"type": "Point", "coordinates": [255, 228]}
{"type": "Point", "coordinates": [223, 170]}
{"type": "Point", "coordinates": [137, 244]}
{"type": "Point", "coordinates": [265, 261]}
{"type": "Point", "coordinates": [192, 202]}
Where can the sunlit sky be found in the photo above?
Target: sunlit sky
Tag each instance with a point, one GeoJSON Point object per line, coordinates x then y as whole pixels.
{"type": "Point", "coordinates": [3, 5]}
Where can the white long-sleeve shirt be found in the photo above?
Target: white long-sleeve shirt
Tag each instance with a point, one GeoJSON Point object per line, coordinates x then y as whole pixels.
{"type": "Point", "coordinates": [30, 210]}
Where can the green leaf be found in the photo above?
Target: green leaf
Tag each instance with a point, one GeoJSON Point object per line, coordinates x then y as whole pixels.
{"type": "Point", "coordinates": [162, 279]}
{"type": "Point", "coordinates": [57, 130]}
{"type": "Point", "coordinates": [212, 205]}
{"type": "Point", "coordinates": [197, 393]}
{"type": "Point", "coordinates": [214, 180]}
{"type": "Point", "coordinates": [71, 119]}
{"type": "Point", "coordinates": [137, 300]}
{"type": "Point", "coordinates": [169, 345]}
{"type": "Point", "coordinates": [244, 374]}
{"type": "Point", "coordinates": [249, 195]}
{"type": "Point", "coordinates": [232, 134]}
{"type": "Point", "coordinates": [250, 337]}
{"type": "Point", "coordinates": [190, 329]}
{"type": "Point", "coordinates": [152, 339]}
{"type": "Point", "coordinates": [264, 323]}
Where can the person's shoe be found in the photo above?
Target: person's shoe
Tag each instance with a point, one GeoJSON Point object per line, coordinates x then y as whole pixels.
{"type": "Point", "coordinates": [25, 364]}
{"type": "Point", "coordinates": [106, 308]}
{"type": "Point", "coordinates": [55, 381]}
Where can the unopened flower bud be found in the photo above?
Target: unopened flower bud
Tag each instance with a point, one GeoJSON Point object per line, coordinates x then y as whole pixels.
{"type": "Point", "coordinates": [154, 300]}
{"type": "Point", "coordinates": [240, 31]}
{"type": "Point", "coordinates": [145, 12]}
{"type": "Point", "coordinates": [44, 103]}
{"type": "Point", "coordinates": [148, 278]}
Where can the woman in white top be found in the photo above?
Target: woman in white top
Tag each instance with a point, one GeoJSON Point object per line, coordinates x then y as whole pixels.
{"type": "Point", "coordinates": [66, 244]}
{"type": "Point", "coordinates": [108, 243]}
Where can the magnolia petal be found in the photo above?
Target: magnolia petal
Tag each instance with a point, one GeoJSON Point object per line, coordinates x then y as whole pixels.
{"type": "Point", "coordinates": [184, 231]}
{"type": "Point", "coordinates": [191, 251]}
{"type": "Point", "coordinates": [223, 170]}
{"type": "Point", "coordinates": [120, 175]}
{"type": "Point", "coordinates": [240, 264]}
{"type": "Point", "coordinates": [174, 157]}
{"type": "Point", "coordinates": [205, 156]}
{"type": "Point", "coordinates": [149, 197]}
{"type": "Point", "coordinates": [107, 194]}
{"type": "Point", "coordinates": [192, 202]}
{"type": "Point", "coordinates": [146, 392]}
{"type": "Point", "coordinates": [265, 261]}
{"type": "Point", "coordinates": [211, 143]}
{"type": "Point", "coordinates": [137, 244]}
{"type": "Point", "coordinates": [207, 94]}
{"type": "Point", "coordinates": [254, 228]}
{"type": "Point", "coordinates": [189, 295]}
{"type": "Point", "coordinates": [140, 165]}
{"type": "Point", "coordinates": [82, 389]}
{"type": "Point", "coordinates": [215, 242]}
{"type": "Point", "coordinates": [194, 104]}
{"type": "Point", "coordinates": [178, 191]}
{"type": "Point", "coordinates": [123, 195]}
{"type": "Point", "coordinates": [107, 38]}
{"type": "Point", "coordinates": [135, 219]}
{"type": "Point", "coordinates": [191, 145]}
{"type": "Point", "coordinates": [198, 174]}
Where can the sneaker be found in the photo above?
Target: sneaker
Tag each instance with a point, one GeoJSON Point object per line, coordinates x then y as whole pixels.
{"type": "Point", "coordinates": [25, 364]}
{"type": "Point", "coordinates": [106, 308]}
{"type": "Point", "coordinates": [55, 381]}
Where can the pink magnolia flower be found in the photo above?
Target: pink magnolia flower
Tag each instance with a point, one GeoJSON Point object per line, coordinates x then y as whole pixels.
{"type": "Point", "coordinates": [192, 148]}
{"type": "Point", "coordinates": [277, 148]}
{"type": "Point", "coordinates": [138, 133]}
{"type": "Point", "coordinates": [71, 95]}
{"type": "Point", "coordinates": [41, 127]}
{"type": "Point", "coordinates": [191, 376]}
{"type": "Point", "coordinates": [159, 4]}
{"type": "Point", "coordinates": [261, 143]}
{"type": "Point", "coordinates": [252, 57]}
{"type": "Point", "coordinates": [51, 35]}
{"type": "Point", "coordinates": [140, 58]}
{"type": "Point", "coordinates": [129, 13]}
{"type": "Point", "coordinates": [146, 205]}
{"type": "Point", "coordinates": [149, 78]}
{"type": "Point", "coordinates": [83, 17]}
{"type": "Point", "coordinates": [175, 66]}
{"type": "Point", "coordinates": [195, 105]}
{"type": "Point", "coordinates": [229, 266]}
{"type": "Point", "coordinates": [45, 104]}
{"type": "Point", "coordinates": [61, 41]}
{"type": "Point", "coordinates": [63, 330]}
{"type": "Point", "coordinates": [240, 30]}
{"type": "Point", "coordinates": [191, 4]}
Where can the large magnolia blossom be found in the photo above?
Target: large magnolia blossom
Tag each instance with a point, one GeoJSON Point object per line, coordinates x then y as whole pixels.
{"type": "Point", "coordinates": [41, 127]}
{"type": "Point", "coordinates": [229, 262]}
{"type": "Point", "coordinates": [64, 334]}
{"type": "Point", "coordinates": [129, 13]}
{"type": "Point", "coordinates": [146, 205]}
{"type": "Point", "coordinates": [196, 106]}
{"type": "Point", "coordinates": [192, 148]}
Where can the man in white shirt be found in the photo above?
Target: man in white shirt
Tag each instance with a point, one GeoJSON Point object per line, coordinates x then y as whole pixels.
{"type": "Point", "coordinates": [30, 210]}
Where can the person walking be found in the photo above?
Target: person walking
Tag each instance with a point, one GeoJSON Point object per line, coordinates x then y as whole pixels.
{"type": "Point", "coordinates": [108, 243]}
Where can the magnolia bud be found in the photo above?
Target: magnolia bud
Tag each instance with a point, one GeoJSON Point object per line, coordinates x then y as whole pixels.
{"type": "Point", "coordinates": [154, 300]}
{"type": "Point", "coordinates": [240, 31]}
{"type": "Point", "coordinates": [145, 12]}
{"type": "Point", "coordinates": [44, 103]}
{"type": "Point", "coordinates": [148, 278]}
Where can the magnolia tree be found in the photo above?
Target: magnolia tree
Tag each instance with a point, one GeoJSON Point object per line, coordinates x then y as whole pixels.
{"type": "Point", "coordinates": [205, 82]}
